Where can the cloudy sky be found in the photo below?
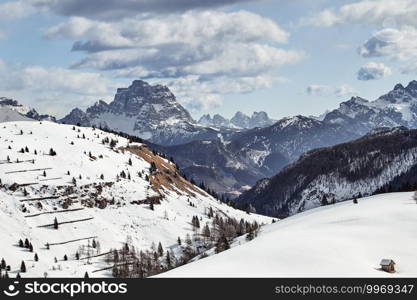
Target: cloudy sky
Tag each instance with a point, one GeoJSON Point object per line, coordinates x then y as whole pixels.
{"type": "Point", "coordinates": [286, 57]}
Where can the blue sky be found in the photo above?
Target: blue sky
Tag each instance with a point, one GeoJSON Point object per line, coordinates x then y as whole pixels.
{"type": "Point", "coordinates": [285, 57]}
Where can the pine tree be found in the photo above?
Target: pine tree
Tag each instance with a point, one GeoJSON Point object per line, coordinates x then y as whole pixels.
{"type": "Point", "coordinates": [179, 241]}
{"type": "Point", "coordinates": [56, 224]}
{"type": "Point", "coordinates": [18, 276]}
{"type": "Point", "coordinates": [44, 173]}
{"type": "Point", "coordinates": [130, 162]}
{"type": "Point", "coordinates": [27, 244]}
{"type": "Point", "coordinates": [160, 249]}
{"type": "Point", "coordinates": [21, 243]}
{"type": "Point", "coordinates": [86, 275]}
{"type": "Point", "coordinates": [65, 257]}
{"type": "Point", "coordinates": [151, 206]}
{"type": "Point", "coordinates": [77, 256]}
{"type": "Point", "coordinates": [3, 264]}
{"type": "Point", "coordinates": [36, 258]}
{"type": "Point", "coordinates": [206, 232]}
{"type": "Point", "coordinates": [222, 244]}
{"type": "Point", "coordinates": [324, 201]}
{"type": "Point", "coordinates": [23, 267]}
{"type": "Point", "coordinates": [168, 260]}
{"type": "Point", "coordinates": [30, 247]}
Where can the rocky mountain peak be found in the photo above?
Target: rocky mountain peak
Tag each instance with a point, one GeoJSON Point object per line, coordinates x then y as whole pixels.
{"type": "Point", "coordinates": [240, 120]}
{"type": "Point", "coordinates": [398, 86]}
{"type": "Point", "coordinates": [412, 88]}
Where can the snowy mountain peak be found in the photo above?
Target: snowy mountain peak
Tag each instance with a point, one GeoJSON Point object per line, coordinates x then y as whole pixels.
{"type": "Point", "coordinates": [398, 107]}
{"type": "Point", "coordinates": [147, 111]}
{"type": "Point", "coordinates": [239, 120]}
{"type": "Point", "coordinates": [298, 122]}
{"type": "Point", "coordinates": [398, 86]}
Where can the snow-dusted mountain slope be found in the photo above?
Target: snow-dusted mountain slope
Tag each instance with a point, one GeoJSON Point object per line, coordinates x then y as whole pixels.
{"type": "Point", "coordinates": [99, 186]}
{"type": "Point", "coordinates": [384, 159]}
{"type": "Point", "coordinates": [149, 112]}
{"type": "Point", "coordinates": [239, 120]}
{"type": "Point", "coordinates": [341, 240]}
{"type": "Point", "coordinates": [7, 115]}
{"type": "Point", "coordinates": [396, 108]}
{"type": "Point", "coordinates": [7, 104]}
{"type": "Point", "coordinates": [234, 165]}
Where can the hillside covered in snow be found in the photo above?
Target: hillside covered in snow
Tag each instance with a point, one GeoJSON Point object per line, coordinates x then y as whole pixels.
{"type": "Point", "coordinates": [341, 240]}
{"type": "Point", "coordinates": [84, 200]}
{"type": "Point", "coordinates": [385, 160]}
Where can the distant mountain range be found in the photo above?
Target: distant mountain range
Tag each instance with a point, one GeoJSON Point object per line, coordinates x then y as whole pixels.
{"type": "Point", "coordinates": [383, 160]}
{"type": "Point", "coordinates": [230, 156]}
{"type": "Point", "coordinates": [146, 111]}
{"type": "Point", "coordinates": [239, 120]}
{"type": "Point", "coordinates": [396, 108]}
{"type": "Point", "coordinates": [233, 166]}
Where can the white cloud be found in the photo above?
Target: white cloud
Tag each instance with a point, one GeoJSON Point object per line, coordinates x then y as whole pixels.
{"type": "Point", "coordinates": [195, 43]}
{"type": "Point", "coordinates": [15, 9]}
{"type": "Point", "coordinates": [203, 54]}
{"type": "Point", "coordinates": [329, 91]}
{"type": "Point", "coordinates": [67, 88]}
{"type": "Point", "coordinates": [197, 94]}
{"type": "Point", "coordinates": [345, 91]}
{"type": "Point", "coordinates": [116, 9]}
{"type": "Point", "coordinates": [395, 44]}
{"type": "Point", "coordinates": [319, 90]}
{"type": "Point", "coordinates": [387, 13]}
{"type": "Point", "coordinates": [373, 71]}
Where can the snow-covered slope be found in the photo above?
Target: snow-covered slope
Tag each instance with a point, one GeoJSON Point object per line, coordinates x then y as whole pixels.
{"type": "Point", "coordinates": [99, 186]}
{"type": "Point", "coordinates": [342, 240]}
{"type": "Point", "coordinates": [12, 110]}
{"type": "Point", "coordinates": [382, 161]}
{"type": "Point", "coordinates": [7, 115]}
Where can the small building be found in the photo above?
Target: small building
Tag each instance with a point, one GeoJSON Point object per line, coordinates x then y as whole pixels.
{"type": "Point", "coordinates": [388, 265]}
